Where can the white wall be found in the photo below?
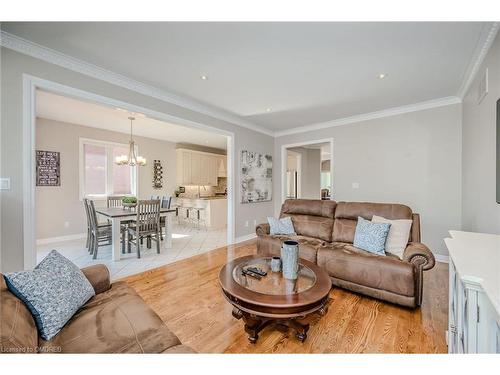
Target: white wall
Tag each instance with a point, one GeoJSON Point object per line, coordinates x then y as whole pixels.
{"type": "Point", "coordinates": [413, 158]}
{"type": "Point", "coordinates": [481, 212]}
{"type": "Point", "coordinates": [14, 65]}
{"type": "Point", "coordinates": [58, 205]}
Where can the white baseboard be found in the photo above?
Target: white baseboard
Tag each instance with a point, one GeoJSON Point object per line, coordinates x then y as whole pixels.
{"type": "Point", "coordinates": [442, 258]}
{"type": "Point", "coordinates": [46, 241]}
{"type": "Point", "coordinates": [248, 237]}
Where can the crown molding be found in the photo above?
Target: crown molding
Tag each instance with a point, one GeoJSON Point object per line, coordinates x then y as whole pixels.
{"type": "Point", "coordinates": [373, 115]}
{"type": "Point", "coordinates": [49, 55]}
{"type": "Point", "coordinates": [484, 45]}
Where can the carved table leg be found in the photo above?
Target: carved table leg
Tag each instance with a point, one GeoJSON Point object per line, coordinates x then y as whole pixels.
{"type": "Point", "coordinates": [300, 328]}
{"type": "Point", "coordinates": [253, 326]}
{"type": "Point", "coordinates": [237, 313]}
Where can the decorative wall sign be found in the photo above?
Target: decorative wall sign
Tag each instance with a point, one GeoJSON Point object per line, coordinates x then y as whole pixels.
{"type": "Point", "coordinates": [157, 175]}
{"type": "Point", "coordinates": [256, 177]}
{"type": "Point", "coordinates": [48, 168]}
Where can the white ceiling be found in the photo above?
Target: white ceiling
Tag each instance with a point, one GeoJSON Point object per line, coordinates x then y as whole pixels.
{"type": "Point", "coordinates": [61, 108]}
{"type": "Point", "coordinates": [305, 72]}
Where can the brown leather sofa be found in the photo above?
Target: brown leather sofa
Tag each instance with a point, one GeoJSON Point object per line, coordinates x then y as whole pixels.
{"type": "Point", "coordinates": [115, 320]}
{"type": "Point", "coordinates": [325, 231]}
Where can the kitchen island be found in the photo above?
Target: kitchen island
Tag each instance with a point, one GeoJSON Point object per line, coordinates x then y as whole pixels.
{"type": "Point", "coordinates": [215, 209]}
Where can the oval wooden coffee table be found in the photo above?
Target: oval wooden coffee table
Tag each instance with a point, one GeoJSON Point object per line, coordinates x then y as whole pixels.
{"type": "Point", "coordinates": [274, 300]}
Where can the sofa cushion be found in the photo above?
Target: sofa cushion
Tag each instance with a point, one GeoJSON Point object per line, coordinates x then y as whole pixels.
{"type": "Point", "coordinates": [18, 333]}
{"type": "Point", "coordinates": [53, 292]}
{"type": "Point", "coordinates": [312, 207]}
{"type": "Point", "coordinates": [346, 262]}
{"type": "Point", "coordinates": [271, 246]}
{"type": "Point", "coordinates": [312, 226]}
{"type": "Point", "coordinates": [311, 217]}
{"type": "Point", "coordinates": [281, 226]}
{"type": "Point", "coordinates": [115, 321]}
{"type": "Point", "coordinates": [398, 236]}
{"type": "Point", "coordinates": [371, 236]}
{"type": "Point", "coordinates": [346, 217]}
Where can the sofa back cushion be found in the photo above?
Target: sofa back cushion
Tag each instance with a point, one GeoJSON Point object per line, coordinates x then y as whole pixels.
{"type": "Point", "coordinates": [311, 217]}
{"type": "Point", "coordinates": [18, 333]}
{"type": "Point", "coordinates": [346, 216]}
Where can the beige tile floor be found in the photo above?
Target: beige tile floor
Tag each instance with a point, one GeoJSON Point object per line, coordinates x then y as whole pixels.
{"type": "Point", "coordinates": [187, 241]}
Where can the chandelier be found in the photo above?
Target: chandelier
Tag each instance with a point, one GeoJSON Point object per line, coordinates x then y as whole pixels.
{"type": "Point", "coordinates": [131, 160]}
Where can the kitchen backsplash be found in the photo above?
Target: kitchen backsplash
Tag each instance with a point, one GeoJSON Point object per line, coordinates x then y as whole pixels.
{"type": "Point", "coordinates": [206, 191]}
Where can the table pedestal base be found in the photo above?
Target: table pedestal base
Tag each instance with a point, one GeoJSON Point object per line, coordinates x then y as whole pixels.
{"type": "Point", "coordinates": [254, 324]}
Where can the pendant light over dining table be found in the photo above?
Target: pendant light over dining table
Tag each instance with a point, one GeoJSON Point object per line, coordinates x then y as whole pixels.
{"type": "Point", "coordinates": [132, 159]}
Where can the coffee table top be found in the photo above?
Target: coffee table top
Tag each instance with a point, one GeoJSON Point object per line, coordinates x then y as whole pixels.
{"type": "Point", "coordinates": [273, 283]}
{"type": "Point", "coordinates": [273, 290]}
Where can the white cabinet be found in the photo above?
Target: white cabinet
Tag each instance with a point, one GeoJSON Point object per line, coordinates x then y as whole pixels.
{"type": "Point", "coordinates": [214, 213]}
{"type": "Point", "coordinates": [197, 168]}
{"type": "Point", "coordinates": [474, 293]}
{"type": "Point", "coordinates": [184, 170]}
{"type": "Point", "coordinates": [222, 166]}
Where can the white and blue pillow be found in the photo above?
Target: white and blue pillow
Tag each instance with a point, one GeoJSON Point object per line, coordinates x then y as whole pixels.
{"type": "Point", "coordinates": [281, 226]}
{"type": "Point", "coordinates": [53, 292]}
{"type": "Point", "coordinates": [371, 236]}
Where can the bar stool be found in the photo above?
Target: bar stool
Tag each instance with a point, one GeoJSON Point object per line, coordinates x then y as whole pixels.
{"type": "Point", "coordinates": [198, 215]}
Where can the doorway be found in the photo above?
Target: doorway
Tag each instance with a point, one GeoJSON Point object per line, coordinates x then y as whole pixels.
{"type": "Point", "coordinates": [307, 170]}
{"type": "Point", "coordinates": [30, 86]}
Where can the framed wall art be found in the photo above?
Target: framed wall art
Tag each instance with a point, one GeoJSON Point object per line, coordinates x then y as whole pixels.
{"type": "Point", "coordinates": [48, 168]}
{"type": "Point", "coordinates": [256, 177]}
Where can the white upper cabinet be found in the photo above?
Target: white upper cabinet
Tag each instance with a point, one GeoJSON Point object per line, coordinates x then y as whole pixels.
{"type": "Point", "coordinates": [198, 168]}
{"type": "Point", "coordinates": [221, 166]}
{"type": "Point", "coordinates": [184, 171]}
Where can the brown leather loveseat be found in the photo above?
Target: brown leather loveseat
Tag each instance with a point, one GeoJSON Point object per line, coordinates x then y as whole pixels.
{"type": "Point", "coordinates": [115, 320]}
{"type": "Point", "coordinates": [325, 231]}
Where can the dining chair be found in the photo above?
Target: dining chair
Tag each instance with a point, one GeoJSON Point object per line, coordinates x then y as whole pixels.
{"type": "Point", "coordinates": [89, 230]}
{"type": "Point", "coordinates": [100, 233]}
{"type": "Point", "coordinates": [117, 201]}
{"type": "Point", "coordinates": [166, 202]}
{"type": "Point", "coordinates": [147, 224]}
{"type": "Point", "coordinates": [114, 200]}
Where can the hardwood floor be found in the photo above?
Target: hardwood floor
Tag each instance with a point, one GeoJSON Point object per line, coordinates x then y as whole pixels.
{"type": "Point", "coordinates": [186, 295]}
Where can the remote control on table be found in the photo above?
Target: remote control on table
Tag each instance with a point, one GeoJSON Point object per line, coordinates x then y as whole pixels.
{"type": "Point", "coordinates": [251, 274]}
{"type": "Point", "coordinates": [256, 270]}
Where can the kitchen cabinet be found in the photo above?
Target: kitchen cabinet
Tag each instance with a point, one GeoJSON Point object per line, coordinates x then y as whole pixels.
{"type": "Point", "coordinates": [222, 166]}
{"type": "Point", "coordinates": [474, 293]}
{"type": "Point", "coordinates": [197, 168]}
{"type": "Point", "coordinates": [184, 170]}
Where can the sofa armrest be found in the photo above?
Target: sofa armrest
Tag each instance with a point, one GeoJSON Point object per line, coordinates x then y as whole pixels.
{"type": "Point", "coordinates": [420, 255]}
{"type": "Point", "coordinates": [262, 229]}
{"type": "Point", "coordinates": [98, 275]}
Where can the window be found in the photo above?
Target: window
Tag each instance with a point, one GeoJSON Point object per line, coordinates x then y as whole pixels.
{"type": "Point", "coordinates": [99, 175]}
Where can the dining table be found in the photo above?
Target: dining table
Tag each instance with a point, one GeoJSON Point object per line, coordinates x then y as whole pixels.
{"type": "Point", "coordinates": [118, 214]}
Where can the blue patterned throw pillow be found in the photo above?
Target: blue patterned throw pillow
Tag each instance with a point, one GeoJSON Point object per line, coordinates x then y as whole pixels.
{"type": "Point", "coordinates": [371, 236]}
{"type": "Point", "coordinates": [53, 292]}
{"type": "Point", "coordinates": [281, 226]}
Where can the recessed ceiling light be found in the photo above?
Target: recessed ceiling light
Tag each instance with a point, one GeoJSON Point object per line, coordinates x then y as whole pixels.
{"type": "Point", "coordinates": [204, 77]}
{"type": "Point", "coordinates": [121, 109]}
{"type": "Point", "coordinates": [268, 109]}
{"type": "Point", "coordinates": [382, 75]}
